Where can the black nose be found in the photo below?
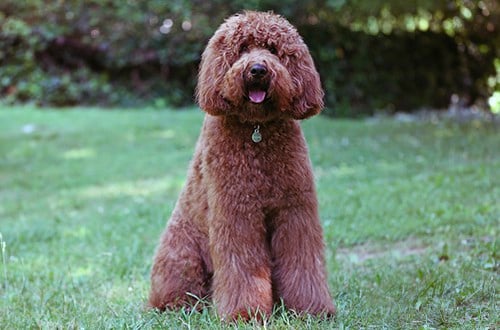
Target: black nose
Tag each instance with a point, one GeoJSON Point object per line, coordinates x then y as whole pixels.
{"type": "Point", "coordinates": [258, 70]}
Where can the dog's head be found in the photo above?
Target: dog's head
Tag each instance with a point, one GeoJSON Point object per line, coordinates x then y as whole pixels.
{"type": "Point", "coordinates": [257, 66]}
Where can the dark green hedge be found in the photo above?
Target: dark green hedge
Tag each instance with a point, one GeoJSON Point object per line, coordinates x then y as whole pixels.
{"type": "Point", "coordinates": [405, 71]}
{"type": "Point", "coordinates": [371, 54]}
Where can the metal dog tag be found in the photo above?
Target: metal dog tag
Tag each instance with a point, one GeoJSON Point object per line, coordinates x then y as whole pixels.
{"type": "Point", "coordinates": [256, 136]}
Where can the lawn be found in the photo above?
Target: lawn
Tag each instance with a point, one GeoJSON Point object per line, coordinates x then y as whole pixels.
{"type": "Point", "coordinates": [410, 212]}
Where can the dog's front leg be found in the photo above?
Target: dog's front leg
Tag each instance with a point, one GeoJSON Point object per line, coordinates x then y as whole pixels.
{"type": "Point", "coordinates": [241, 260]}
{"type": "Point", "coordinates": [178, 276]}
{"type": "Point", "coordinates": [299, 275]}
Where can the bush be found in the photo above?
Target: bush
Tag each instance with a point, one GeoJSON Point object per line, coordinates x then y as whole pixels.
{"type": "Point", "coordinates": [371, 55]}
{"type": "Point", "coordinates": [400, 71]}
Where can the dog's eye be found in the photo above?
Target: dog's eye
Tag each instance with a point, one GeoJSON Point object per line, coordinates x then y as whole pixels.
{"type": "Point", "coordinates": [273, 50]}
{"type": "Point", "coordinates": [243, 48]}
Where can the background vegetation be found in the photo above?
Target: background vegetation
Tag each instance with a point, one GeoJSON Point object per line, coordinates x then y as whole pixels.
{"type": "Point", "coordinates": [391, 55]}
{"type": "Point", "coordinates": [410, 214]}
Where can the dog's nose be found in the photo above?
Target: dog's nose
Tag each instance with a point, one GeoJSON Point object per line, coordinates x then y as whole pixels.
{"type": "Point", "coordinates": [258, 70]}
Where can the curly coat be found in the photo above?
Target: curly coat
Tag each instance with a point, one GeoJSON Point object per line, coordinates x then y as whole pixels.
{"type": "Point", "coordinates": [245, 230]}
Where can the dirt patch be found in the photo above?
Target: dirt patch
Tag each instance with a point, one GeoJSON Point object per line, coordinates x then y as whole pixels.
{"type": "Point", "coordinates": [409, 247]}
{"type": "Point", "coordinates": [394, 250]}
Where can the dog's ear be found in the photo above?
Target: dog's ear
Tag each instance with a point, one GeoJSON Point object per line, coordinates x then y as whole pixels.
{"type": "Point", "coordinates": [211, 75]}
{"type": "Point", "coordinates": [309, 97]}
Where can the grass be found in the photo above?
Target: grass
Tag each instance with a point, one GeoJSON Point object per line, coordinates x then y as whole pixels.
{"type": "Point", "coordinates": [410, 212]}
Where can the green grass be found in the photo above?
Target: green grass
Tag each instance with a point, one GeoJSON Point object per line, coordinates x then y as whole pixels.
{"type": "Point", "coordinates": [410, 211]}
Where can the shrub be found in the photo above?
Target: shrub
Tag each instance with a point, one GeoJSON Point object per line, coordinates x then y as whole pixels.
{"type": "Point", "coordinates": [371, 54]}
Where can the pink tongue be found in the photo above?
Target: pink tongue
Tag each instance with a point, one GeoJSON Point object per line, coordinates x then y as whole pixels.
{"type": "Point", "coordinates": [257, 96]}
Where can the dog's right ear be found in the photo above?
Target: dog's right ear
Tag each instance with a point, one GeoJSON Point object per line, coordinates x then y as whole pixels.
{"type": "Point", "coordinates": [309, 101]}
{"type": "Point", "coordinates": [213, 66]}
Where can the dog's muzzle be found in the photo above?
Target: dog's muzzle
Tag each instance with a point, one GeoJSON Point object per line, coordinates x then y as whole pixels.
{"type": "Point", "coordinates": [258, 83]}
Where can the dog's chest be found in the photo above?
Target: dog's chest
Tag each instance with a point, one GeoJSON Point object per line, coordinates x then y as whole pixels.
{"type": "Point", "coordinates": [267, 172]}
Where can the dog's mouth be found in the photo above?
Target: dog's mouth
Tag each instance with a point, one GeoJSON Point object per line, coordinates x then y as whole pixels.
{"type": "Point", "coordinates": [257, 91]}
{"type": "Point", "coordinates": [257, 95]}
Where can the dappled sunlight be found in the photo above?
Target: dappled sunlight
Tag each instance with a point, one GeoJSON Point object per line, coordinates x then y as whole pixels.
{"type": "Point", "coordinates": [166, 134]}
{"type": "Point", "coordinates": [345, 170]}
{"type": "Point", "coordinates": [124, 289]}
{"type": "Point", "coordinates": [340, 171]}
{"type": "Point", "coordinates": [388, 167]}
{"type": "Point", "coordinates": [81, 272]}
{"type": "Point", "coordinates": [80, 232]}
{"type": "Point", "coordinates": [140, 188]}
{"type": "Point", "coordinates": [80, 153]}
{"type": "Point", "coordinates": [359, 171]}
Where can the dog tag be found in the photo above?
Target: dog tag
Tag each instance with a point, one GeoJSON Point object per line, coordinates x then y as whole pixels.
{"type": "Point", "coordinates": [256, 136]}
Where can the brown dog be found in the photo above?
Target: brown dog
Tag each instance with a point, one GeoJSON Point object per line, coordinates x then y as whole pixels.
{"type": "Point", "coordinates": [245, 230]}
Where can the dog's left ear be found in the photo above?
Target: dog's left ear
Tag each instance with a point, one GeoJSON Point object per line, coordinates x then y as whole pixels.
{"type": "Point", "coordinates": [309, 98]}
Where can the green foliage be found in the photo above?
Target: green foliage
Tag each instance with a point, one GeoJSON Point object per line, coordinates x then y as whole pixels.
{"type": "Point", "coordinates": [410, 215]}
{"type": "Point", "coordinates": [401, 71]}
{"type": "Point", "coordinates": [371, 54]}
